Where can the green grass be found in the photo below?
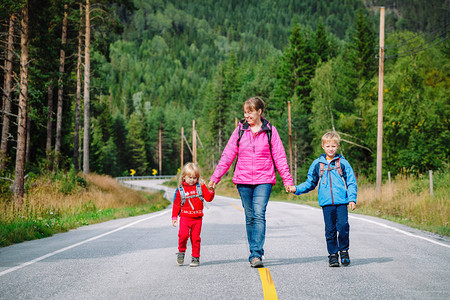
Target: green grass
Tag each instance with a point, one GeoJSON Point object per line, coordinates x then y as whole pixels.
{"type": "Point", "coordinates": [97, 199]}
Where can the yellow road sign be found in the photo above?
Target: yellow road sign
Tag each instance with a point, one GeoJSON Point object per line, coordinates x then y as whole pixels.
{"type": "Point", "coordinates": [132, 172]}
{"type": "Point", "coordinates": [154, 172]}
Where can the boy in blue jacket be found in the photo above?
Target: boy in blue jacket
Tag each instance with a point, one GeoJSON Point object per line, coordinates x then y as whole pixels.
{"type": "Point", "coordinates": [337, 190]}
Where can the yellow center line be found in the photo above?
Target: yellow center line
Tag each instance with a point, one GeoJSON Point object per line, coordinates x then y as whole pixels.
{"type": "Point", "coordinates": [267, 283]}
{"type": "Point", "coordinates": [236, 206]}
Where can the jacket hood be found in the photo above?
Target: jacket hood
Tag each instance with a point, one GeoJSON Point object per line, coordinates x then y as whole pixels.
{"type": "Point", "coordinates": [245, 126]}
{"type": "Point", "coordinates": [323, 157]}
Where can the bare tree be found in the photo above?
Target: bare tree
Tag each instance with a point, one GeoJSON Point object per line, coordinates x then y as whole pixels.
{"type": "Point", "coordinates": [62, 58]}
{"type": "Point", "coordinates": [19, 189]}
{"type": "Point", "coordinates": [87, 66]}
{"type": "Point", "coordinates": [48, 145]}
{"type": "Point", "coordinates": [7, 94]}
{"type": "Point", "coordinates": [76, 142]}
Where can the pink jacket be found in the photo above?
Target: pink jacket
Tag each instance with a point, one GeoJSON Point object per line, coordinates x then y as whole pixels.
{"type": "Point", "coordinates": [254, 164]}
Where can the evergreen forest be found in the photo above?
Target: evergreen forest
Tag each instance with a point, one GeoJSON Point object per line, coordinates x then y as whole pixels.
{"type": "Point", "coordinates": [106, 82]}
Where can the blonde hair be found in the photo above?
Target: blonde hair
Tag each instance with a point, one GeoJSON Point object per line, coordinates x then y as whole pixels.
{"type": "Point", "coordinates": [255, 103]}
{"type": "Point", "coordinates": [189, 169]}
{"type": "Point", "coordinates": [331, 136]}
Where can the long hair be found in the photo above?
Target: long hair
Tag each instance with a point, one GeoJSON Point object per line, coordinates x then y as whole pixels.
{"type": "Point", "coordinates": [189, 169]}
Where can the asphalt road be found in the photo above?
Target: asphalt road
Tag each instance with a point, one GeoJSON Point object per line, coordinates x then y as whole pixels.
{"type": "Point", "coordinates": [134, 258]}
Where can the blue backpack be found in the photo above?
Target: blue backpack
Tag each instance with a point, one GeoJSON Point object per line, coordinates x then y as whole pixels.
{"type": "Point", "coordinates": [184, 197]}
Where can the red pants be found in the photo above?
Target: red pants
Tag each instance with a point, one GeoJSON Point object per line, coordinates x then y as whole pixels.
{"type": "Point", "coordinates": [190, 227]}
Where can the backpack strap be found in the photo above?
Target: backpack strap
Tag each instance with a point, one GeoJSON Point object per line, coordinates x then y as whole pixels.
{"type": "Point", "coordinates": [269, 137]}
{"type": "Point", "coordinates": [182, 195]}
{"type": "Point", "coordinates": [200, 193]}
{"type": "Point", "coordinates": [337, 164]}
{"type": "Point", "coordinates": [337, 167]}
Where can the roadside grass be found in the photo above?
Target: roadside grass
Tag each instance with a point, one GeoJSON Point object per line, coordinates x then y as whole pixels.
{"type": "Point", "coordinates": [63, 201]}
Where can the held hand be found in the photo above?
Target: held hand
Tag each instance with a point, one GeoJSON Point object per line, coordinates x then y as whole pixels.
{"type": "Point", "coordinates": [212, 185]}
{"type": "Point", "coordinates": [352, 205]}
{"type": "Point", "coordinates": [174, 223]}
{"type": "Point", "coordinates": [290, 188]}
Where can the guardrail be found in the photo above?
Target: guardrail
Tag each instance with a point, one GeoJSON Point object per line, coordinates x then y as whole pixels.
{"type": "Point", "coordinates": [145, 177]}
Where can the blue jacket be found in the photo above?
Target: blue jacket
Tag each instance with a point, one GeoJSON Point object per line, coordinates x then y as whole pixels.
{"type": "Point", "coordinates": [332, 190]}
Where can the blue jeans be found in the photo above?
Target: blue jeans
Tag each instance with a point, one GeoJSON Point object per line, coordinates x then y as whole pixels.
{"type": "Point", "coordinates": [337, 228]}
{"type": "Point", "coordinates": [254, 200]}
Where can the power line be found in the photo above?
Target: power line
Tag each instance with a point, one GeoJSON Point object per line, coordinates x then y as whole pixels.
{"type": "Point", "coordinates": [439, 28]}
{"type": "Point", "coordinates": [422, 47]}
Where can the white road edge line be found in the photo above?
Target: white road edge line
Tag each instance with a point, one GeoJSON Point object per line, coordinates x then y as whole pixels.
{"type": "Point", "coordinates": [387, 226]}
{"type": "Point", "coordinates": [78, 244]}
{"type": "Point", "coordinates": [401, 231]}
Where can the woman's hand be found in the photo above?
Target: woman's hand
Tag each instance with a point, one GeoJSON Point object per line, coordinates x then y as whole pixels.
{"type": "Point", "coordinates": [290, 188]}
{"type": "Point", "coordinates": [211, 185]}
{"type": "Point", "coordinates": [174, 222]}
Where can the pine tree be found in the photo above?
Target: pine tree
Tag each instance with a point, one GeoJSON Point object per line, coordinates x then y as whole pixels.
{"type": "Point", "coordinates": [363, 48]}
{"type": "Point", "coordinates": [321, 43]}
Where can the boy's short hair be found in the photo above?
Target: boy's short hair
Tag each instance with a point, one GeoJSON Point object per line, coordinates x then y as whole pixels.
{"type": "Point", "coordinates": [331, 136]}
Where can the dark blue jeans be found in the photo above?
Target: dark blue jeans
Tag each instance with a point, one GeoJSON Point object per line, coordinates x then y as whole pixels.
{"type": "Point", "coordinates": [336, 227]}
{"type": "Point", "coordinates": [254, 200]}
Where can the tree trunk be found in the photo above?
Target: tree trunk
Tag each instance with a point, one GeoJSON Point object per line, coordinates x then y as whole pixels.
{"type": "Point", "coordinates": [60, 89]}
{"type": "Point", "coordinates": [87, 45]}
{"type": "Point", "coordinates": [76, 142]}
{"type": "Point", "coordinates": [22, 115]}
{"type": "Point", "coordinates": [48, 145]}
{"type": "Point", "coordinates": [28, 139]}
{"type": "Point", "coordinates": [7, 95]}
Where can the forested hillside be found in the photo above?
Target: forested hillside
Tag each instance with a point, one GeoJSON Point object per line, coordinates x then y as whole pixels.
{"type": "Point", "coordinates": [158, 65]}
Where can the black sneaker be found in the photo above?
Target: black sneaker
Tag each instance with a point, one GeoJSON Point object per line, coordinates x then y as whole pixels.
{"type": "Point", "coordinates": [345, 259]}
{"type": "Point", "coordinates": [256, 263]}
{"type": "Point", "coordinates": [180, 258]}
{"type": "Point", "coordinates": [333, 260]}
{"type": "Point", "coordinates": [195, 262]}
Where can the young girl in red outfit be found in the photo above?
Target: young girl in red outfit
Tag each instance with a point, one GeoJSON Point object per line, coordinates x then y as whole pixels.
{"type": "Point", "coordinates": [191, 192]}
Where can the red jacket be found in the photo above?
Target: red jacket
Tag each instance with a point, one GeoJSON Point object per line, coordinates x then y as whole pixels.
{"type": "Point", "coordinates": [186, 210]}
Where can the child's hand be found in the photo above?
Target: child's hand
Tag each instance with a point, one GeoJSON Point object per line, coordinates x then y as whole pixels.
{"type": "Point", "coordinates": [174, 222]}
{"type": "Point", "coordinates": [211, 185]}
{"type": "Point", "coordinates": [352, 205]}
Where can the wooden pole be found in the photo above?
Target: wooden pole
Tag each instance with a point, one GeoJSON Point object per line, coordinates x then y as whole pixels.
{"type": "Point", "coordinates": [160, 151]}
{"type": "Point", "coordinates": [235, 122]}
{"type": "Point", "coordinates": [87, 84]}
{"type": "Point", "coordinates": [182, 147]}
{"type": "Point", "coordinates": [194, 143]}
{"type": "Point", "coordinates": [290, 137]}
{"type": "Point", "coordinates": [431, 184]}
{"type": "Point", "coordinates": [380, 106]}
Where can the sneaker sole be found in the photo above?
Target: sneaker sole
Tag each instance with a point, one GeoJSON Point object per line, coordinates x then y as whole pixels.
{"type": "Point", "coordinates": [258, 264]}
{"type": "Point", "coordinates": [194, 265]}
{"type": "Point", "coordinates": [334, 265]}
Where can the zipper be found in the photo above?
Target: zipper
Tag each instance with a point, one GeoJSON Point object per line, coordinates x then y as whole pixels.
{"type": "Point", "coordinates": [331, 187]}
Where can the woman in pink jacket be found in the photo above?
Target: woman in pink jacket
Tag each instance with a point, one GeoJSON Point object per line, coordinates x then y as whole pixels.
{"type": "Point", "coordinates": [259, 151]}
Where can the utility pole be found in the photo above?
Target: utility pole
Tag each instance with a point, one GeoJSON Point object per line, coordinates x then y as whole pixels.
{"type": "Point", "coordinates": [194, 143]}
{"type": "Point", "coordinates": [160, 150]}
{"type": "Point", "coordinates": [290, 137]}
{"type": "Point", "coordinates": [380, 106]}
{"type": "Point", "coordinates": [182, 146]}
